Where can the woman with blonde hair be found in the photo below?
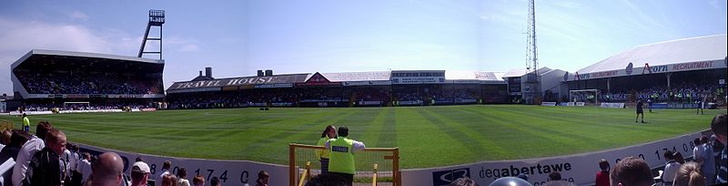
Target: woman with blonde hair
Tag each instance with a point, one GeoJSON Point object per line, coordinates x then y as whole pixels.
{"type": "Point", "coordinates": [689, 175]}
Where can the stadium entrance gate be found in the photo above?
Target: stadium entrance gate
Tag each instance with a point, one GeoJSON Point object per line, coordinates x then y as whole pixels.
{"type": "Point", "coordinates": [374, 166]}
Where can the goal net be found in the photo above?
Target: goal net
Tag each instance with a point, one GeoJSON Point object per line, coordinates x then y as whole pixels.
{"type": "Point", "coordinates": [588, 96]}
{"type": "Point", "coordinates": [380, 165]}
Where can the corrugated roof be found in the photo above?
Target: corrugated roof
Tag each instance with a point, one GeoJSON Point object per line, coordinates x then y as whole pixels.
{"type": "Point", "coordinates": [472, 75]}
{"type": "Point", "coordinates": [697, 49]}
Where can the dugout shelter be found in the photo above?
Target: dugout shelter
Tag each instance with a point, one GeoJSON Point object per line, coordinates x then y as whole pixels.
{"type": "Point", "coordinates": [663, 68]}
{"type": "Point", "coordinates": [52, 78]}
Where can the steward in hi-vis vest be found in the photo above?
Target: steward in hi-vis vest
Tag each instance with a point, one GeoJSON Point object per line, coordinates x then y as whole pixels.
{"type": "Point", "coordinates": [26, 123]}
{"type": "Point", "coordinates": [341, 154]}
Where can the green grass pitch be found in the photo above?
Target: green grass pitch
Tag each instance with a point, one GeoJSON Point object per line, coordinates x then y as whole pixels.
{"type": "Point", "coordinates": [426, 136]}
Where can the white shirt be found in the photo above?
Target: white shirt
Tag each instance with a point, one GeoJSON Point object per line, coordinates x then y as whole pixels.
{"type": "Point", "coordinates": [183, 182]}
{"type": "Point", "coordinates": [24, 155]}
{"type": "Point", "coordinates": [161, 175]}
{"type": "Point", "coordinates": [74, 160]}
{"type": "Point", "coordinates": [670, 171]}
{"type": "Point", "coordinates": [698, 152]}
{"type": "Point", "coordinates": [69, 159]}
{"type": "Point", "coordinates": [84, 167]}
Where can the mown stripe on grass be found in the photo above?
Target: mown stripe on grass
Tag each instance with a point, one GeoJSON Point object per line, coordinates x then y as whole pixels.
{"type": "Point", "coordinates": [447, 128]}
{"type": "Point", "coordinates": [273, 144]}
{"type": "Point", "coordinates": [388, 137]}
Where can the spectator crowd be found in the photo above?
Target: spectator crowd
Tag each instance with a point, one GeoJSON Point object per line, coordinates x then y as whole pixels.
{"type": "Point", "coordinates": [88, 83]}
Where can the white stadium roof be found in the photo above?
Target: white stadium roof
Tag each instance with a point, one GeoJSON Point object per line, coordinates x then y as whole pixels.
{"type": "Point", "coordinates": [356, 76]}
{"type": "Point", "coordinates": [82, 54]}
{"type": "Point", "coordinates": [520, 72]}
{"type": "Point", "coordinates": [698, 53]}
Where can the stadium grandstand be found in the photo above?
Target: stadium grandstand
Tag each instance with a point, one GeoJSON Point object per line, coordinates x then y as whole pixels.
{"type": "Point", "coordinates": [345, 89]}
{"type": "Point", "coordinates": [675, 74]}
{"type": "Point", "coordinates": [47, 79]}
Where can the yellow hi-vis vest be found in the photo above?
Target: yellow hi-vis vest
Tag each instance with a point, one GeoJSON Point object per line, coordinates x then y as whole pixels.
{"type": "Point", "coordinates": [341, 157]}
{"type": "Point", "coordinates": [26, 121]}
{"type": "Point", "coordinates": [322, 153]}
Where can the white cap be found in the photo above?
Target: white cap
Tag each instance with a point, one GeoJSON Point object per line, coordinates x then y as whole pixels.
{"type": "Point", "coordinates": [141, 167]}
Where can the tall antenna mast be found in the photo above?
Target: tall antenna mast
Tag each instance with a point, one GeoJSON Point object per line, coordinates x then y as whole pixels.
{"type": "Point", "coordinates": [533, 83]}
{"type": "Point", "coordinates": [156, 19]}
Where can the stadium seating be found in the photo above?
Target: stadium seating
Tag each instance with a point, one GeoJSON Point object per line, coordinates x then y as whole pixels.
{"type": "Point", "coordinates": [87, 83]}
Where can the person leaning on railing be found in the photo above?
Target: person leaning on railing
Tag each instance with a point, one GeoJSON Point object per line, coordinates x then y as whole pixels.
{"type": "Point", "coordinates": [342, 150]}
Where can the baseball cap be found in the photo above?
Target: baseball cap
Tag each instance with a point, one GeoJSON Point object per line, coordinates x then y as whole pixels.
{"type": "Point", "coordinates": [140, 167]}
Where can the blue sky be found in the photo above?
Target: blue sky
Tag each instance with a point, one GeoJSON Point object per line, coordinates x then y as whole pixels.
{"type": "Point", "coordinates": [236, 38]}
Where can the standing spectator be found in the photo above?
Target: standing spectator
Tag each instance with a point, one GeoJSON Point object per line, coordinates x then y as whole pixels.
{"type": "Point", "coordinates": [73, 160]}
{"type": "Point", "coordinates": [719, 126]}
{"type": "Point", "coordinates": [342, 154]}
{"type": "Point", "coordinates": [708, 166]}
{"type": "Point", "coordinates": [70, 159]}
{"type": "Point", "coordinates": [26, 123]}
{"type": "Point", "coordinates": [5, 138]}
{"type": "Point", "coordinates": [603, 175]}
{"type": "Point", "coordinates": [17, 140]}
{"type": "Point", "coordinates": [631, 171]}
{"type": "Point", "coordinates": [263, 179]}
{"type": "Point", "coordinates": [182, 177]}
{"type": "Point", "coordinates": [689, 175]}
{"type": "Point", "coordinates": [640, 112]}
{"type": "Point", "coordinates": [139, 174]}
{"type": "Point", "coordinates": [46, 166]}
{"type": "Point", "coordinates": [108, 170]}
{"type": "Point", "coordinates": [169, 180]}
{"type": "Point", "coordinates": [555, 180]}
{"type": "Point", "coordinates": [199, 180]}
{"type": "Point", "coordinates": [698, 151]}
{"type": "Point", "coordinates": [215, 181]}
{"type": "Point", "coordinates": [671, 167]}
{"type": "Point", "coordinates": [84, 167]}
{"type": "Point", "coordinates": [678, 157]}
{"type": "Point", "coordinates": [328, 133]}
{"type": "Point", "coordinates": [165, 170]}
{"type": "Point", "coordinates": [33, 145]}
